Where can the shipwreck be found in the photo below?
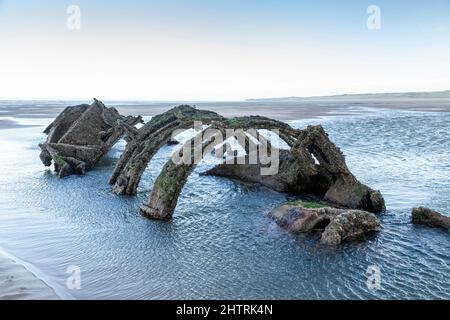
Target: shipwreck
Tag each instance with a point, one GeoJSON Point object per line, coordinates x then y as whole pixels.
{"type": "Point", "coordinates": [81, 135]}
{"type": "Point", "coordinates": [312, 165]}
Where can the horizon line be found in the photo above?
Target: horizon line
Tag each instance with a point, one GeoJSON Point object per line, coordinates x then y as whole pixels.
{"type": "Point", "coordinates": [230, 100]}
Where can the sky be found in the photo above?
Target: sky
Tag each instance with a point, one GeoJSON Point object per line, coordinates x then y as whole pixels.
{"type": "Point", "coordinates": [195, 50]}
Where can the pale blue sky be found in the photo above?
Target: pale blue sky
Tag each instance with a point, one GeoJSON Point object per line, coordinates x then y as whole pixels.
{"type": "Point", "coordinates": [221, 50]}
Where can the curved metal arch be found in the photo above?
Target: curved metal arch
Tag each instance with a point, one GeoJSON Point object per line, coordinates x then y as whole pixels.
{"type": "Point", "coordinates": [169, 184]}
{"type": "Point", "coordinates": [147, 141]}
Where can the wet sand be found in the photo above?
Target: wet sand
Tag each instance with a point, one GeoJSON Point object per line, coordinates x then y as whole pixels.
{"type": "Point", "coordinates": [18, 283]}
{"type": "Point", "coordinates": [11, 124]}
{"type": "Point", "coordinates": [277, 110]}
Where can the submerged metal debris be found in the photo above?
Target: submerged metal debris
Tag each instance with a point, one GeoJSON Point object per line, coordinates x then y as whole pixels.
{"type": "Point", "coordinates": [81, 135]}
{"type": "Point", "coordinates": [334, 225]}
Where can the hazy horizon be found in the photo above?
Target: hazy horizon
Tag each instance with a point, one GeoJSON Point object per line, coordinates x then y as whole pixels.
{"type": "Point", "coordinates": [350, 95]}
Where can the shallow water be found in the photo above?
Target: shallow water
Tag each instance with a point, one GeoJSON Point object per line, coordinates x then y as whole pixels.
{"type": "Point", "coordinates": [221, 244]}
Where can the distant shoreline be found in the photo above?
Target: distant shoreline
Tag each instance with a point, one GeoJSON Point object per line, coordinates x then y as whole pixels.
{"type": "Point", "coordinates": [281, 110]}
{"type": "Point", "coordinates": [363, 96]}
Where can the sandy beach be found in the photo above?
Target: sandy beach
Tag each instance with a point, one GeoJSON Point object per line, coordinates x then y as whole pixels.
{"type": "Point", "coordinates": [18, 283]}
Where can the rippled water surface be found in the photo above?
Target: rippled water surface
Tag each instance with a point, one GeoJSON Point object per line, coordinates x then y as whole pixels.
{"type": "Point", "coordinates": [221, 244]}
